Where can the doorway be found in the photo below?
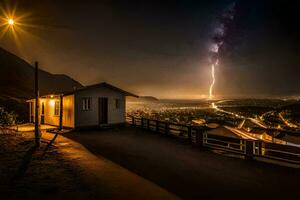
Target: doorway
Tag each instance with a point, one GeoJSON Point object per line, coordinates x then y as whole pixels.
{"type": "Point", "coordinates": [103, 110]}
{"type": "Point", "coordinates": [43, 114]}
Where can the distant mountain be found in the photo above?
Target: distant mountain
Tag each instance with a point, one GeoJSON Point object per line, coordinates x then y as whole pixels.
{"type": "Point", "coordinates": [142, 99]}
{"type": "Point", "coordinates": [148, 98]}
{"type": "Point", "coordinates": [17, 82]}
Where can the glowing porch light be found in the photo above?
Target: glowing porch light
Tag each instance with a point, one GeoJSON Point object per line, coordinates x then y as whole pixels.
{"type": "Point", "coordinates": [52, 102]}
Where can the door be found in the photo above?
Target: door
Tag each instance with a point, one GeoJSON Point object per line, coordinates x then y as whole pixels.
{"type": "Point", "coordinates": [43, 114]}
{"type": "Point", "coordinates": [103, 110]}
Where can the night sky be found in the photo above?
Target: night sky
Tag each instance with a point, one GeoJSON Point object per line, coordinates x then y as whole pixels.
{"type": "Point", "coordinates": [161, 48]}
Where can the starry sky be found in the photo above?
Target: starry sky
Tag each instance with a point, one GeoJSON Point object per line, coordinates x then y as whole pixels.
{"type": "Point", "coordinates": [161, 48]}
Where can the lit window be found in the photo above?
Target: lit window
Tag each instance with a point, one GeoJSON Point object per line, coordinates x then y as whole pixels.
{"type": "Point", "coordinates": [117, 103]}
{"type": "Point", "coordinates": [86, 103]}
{"type": "Point", "coordinates": [56, 108]}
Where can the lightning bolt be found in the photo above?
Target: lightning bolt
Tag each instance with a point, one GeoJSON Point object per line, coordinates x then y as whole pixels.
{"type": "Point", "coordinates": [213, 79]}
{"type": "Point", "coordinates": [218, 40]}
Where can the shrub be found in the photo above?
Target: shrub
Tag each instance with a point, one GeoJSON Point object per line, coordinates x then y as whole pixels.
{"type": "Point", "coordinates": [7, 118]}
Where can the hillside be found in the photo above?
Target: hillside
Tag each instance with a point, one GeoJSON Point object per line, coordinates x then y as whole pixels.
{"type": "Point", "coordinates": [17, 78]}
{"type": "Point", "coordinates": [17, 82]}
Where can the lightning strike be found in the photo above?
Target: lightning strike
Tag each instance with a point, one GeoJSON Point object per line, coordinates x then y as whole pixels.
{"type": "Point", "coordinates": [213, 79]}
{"type": "Point", "coordinates": [218, 42]}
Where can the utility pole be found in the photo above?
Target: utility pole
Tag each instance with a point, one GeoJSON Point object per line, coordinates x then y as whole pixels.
{"type": "Point", "coordinates": [61, 113]}
{"type": "Point", "coordinates": [36, 90]}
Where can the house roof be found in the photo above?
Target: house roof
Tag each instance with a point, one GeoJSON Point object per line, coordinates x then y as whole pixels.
{"type": "Point", "coordinates": [103, 84]}
{"type": "Point", "coordinates": [223, 131]}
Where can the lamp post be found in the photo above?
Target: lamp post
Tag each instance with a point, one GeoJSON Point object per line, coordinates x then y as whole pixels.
{"type": "Point", "coordinates": [36, 91]}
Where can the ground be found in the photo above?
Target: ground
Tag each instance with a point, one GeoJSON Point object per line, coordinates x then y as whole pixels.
{"type": "Point", "coordinates": [187, 171]}
{"type": "Point", "coordinates": [65, 170]}
{"type": "Point", "coordinates": [131, 163]}
{"type": "Point", "coordinates": [29, 173]}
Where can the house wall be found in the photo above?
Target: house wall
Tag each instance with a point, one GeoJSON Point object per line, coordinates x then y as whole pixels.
{"type": "Point", "coordinates": [91, 117]}
{"type": "Point", "coordinates": [49, 111]}
{"type": "Point", "coordinates": [50, 118]}
{"type": "Point", "coordinates": [68, 111]}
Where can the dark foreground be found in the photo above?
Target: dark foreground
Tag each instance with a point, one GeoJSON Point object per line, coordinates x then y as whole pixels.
{"type": "Point", "coordinates": [65, 170]}
{"type": "Point", "coordinates": [187, 171]}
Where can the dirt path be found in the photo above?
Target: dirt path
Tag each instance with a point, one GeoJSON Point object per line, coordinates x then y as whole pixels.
{"type": "Point", "coordinates": [28, 173]}
{"type": "Point", "coordinates": [189, 172]}
{"type": "Point", "coordinates": [66, 171]}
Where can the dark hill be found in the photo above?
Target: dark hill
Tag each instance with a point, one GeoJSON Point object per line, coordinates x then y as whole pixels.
{"type": "Point", "coordinates": [148, 98]}
{"type": "Point", "coordinates": [17, 78]}
{"type": "Point", "coordinates": [17, 82]}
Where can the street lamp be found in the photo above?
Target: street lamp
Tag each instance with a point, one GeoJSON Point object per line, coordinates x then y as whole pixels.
{"type": "Point", "coordinates": [11, 22]}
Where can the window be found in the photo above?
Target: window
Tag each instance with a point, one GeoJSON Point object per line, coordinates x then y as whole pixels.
{"type": "Point", "coordinates": [56, 108]}
{"type": "Point", "coordinates": [117, 103]}
{"type": "Point", "coordinates": [86, 104]}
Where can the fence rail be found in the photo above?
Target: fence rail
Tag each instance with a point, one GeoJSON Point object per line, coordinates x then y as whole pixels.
{"type": "Point", "coordinates": [199, 135]}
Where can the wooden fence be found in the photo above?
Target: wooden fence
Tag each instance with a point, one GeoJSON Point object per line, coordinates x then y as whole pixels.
{"type": "Point", "coordinates": [199, 135]}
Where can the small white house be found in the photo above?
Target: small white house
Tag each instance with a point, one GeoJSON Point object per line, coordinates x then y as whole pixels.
{"type": "Point", "coordinates": [90, 106]}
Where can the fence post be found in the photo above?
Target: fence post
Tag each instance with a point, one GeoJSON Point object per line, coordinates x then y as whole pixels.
{"type": "Point", "coordinates": [166, 128]}
{"type": "Point", "coordinates": [190, 133]}
{"type": "Point", "coordinates": [249, 149]}
{"type": "Point", "coordinates": [148, 121]}
{"type": "Point", "coordinates": [157, 126]}
{"type": "Point", "coordinates": [260, 148]}
{"type": "Point", "coordinates": [142, 122]}
{"type": "Point", "coordinates": [199, 137]}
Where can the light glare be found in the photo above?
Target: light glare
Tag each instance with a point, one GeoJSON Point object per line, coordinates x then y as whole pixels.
{"type": "Point", "coordinates": [11, 22]}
